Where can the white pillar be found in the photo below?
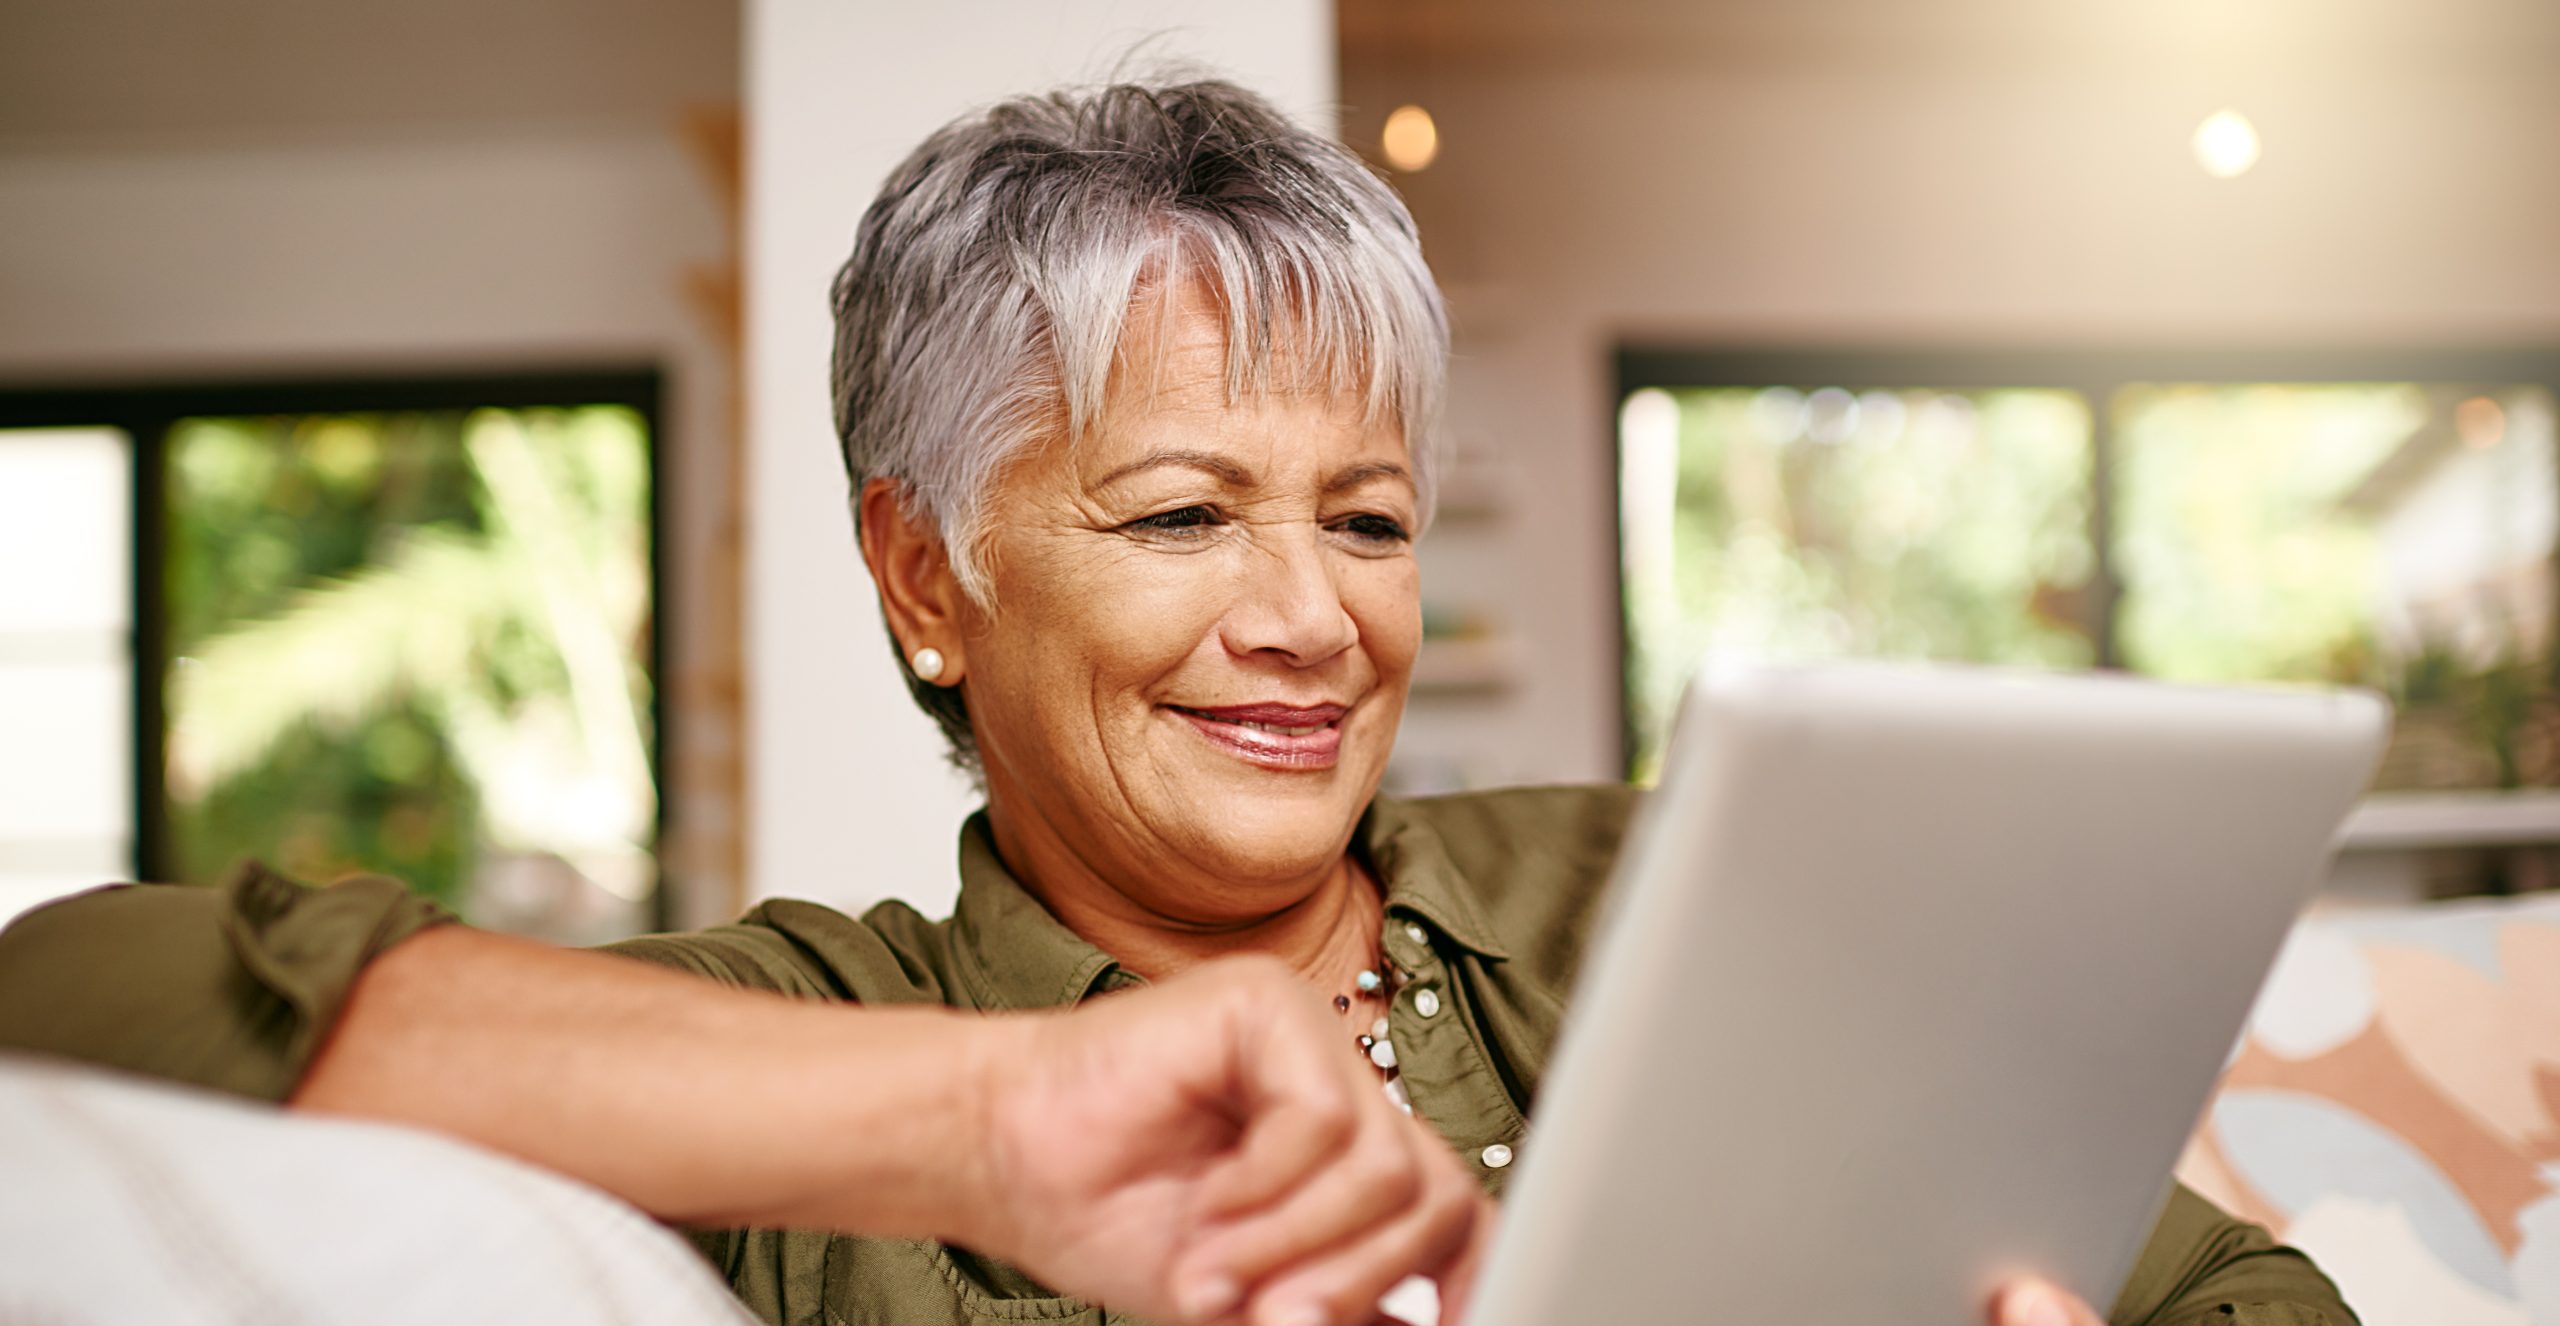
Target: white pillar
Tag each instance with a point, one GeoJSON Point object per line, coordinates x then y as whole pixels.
{"type": "Point", "coordinates": [848, 800]}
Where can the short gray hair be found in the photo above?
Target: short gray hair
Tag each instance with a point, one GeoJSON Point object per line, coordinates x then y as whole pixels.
{"type": "Point", "coordinates": [983, 305]}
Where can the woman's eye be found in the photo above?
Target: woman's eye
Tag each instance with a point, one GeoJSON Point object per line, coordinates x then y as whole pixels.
{"type": "Point", "coordinates": [1376, 529]}
{"type": "Point", "coordinates": [1183, 518]}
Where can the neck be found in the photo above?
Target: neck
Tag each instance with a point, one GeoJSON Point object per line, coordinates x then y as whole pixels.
{"type": "Point", "coordinates": [1326, 930]}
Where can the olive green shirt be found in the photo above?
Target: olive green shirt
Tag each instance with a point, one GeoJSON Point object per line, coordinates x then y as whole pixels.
{"type": "Point", "coordinates": [1489, 900]}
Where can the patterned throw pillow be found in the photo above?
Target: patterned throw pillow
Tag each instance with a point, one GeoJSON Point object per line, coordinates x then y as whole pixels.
{"type": "Point", "coordinates": [2394, 1111]}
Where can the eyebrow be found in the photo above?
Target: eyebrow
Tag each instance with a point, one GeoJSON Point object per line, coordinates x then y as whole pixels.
{"type": "Point", "coordinates": [1237, 476]}
{"type": "Point", "coordinates": [1359, 474]}
{"type": "Point", "coordinates": [1227, 471]}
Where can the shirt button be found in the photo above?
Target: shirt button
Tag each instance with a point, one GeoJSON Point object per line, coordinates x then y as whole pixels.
{"type": "Point", "coordinates": [1413, 932]}
{"type": "Point", "coordinates": [1427, 1003]}
{"type": "Point", "coordinates": [1495, 1156]}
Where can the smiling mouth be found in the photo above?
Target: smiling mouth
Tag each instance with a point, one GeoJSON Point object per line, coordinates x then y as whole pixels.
{"type": "Point", "coordinates": [1272, 736]}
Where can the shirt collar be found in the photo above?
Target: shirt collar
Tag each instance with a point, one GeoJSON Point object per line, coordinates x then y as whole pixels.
{"type": "Point", "coordinates": [1009, 950]}
{"type": "Point", "coordinates": [1413, 865]}
{"type": "Point", "coordinates": [1012, 954]}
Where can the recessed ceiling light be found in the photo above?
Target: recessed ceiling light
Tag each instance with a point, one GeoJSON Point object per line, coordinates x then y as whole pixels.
{"type": "Point", "coordinates": [2226, 144]}
{"type": "Point", "coordinates": [1411, 140]}
{"type": "Point", "coordinates": [2479, 423]}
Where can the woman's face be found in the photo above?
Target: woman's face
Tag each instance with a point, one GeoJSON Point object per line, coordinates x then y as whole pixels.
{"type": "Point", "coordinates": [1205, 617]}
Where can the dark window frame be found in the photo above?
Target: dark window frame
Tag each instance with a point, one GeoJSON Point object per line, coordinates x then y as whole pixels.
{"type": "Point", "coordinates": [145, 411]}
{"type": "Point", "coordinates": [2097, 374]}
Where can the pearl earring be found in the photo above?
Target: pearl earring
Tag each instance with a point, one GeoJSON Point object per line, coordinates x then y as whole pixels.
{"type": "Point", "coordinates": [928, 663]}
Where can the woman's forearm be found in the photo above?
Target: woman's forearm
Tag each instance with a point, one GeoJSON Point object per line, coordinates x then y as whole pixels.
{"type": "Point", "coordinates": [695, 1102]}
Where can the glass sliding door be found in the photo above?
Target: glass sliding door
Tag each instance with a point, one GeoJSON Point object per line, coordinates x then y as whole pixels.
{"type": "Point", "coordinates": [67, 791]}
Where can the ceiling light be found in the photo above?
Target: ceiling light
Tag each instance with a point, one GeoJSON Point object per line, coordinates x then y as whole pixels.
{"type": "Point", "coordinates": [1411, 140]}
{"type": "Point", "coordinates": [2479, 423]}
{"type": "Point", "coordinates": [2226, 144]}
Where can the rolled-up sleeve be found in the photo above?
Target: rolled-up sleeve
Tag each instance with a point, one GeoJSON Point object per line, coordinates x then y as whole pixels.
{"type": "Point", "coordinates": [2204, 1268]}
{"type": "Point", "coordinates": [231, 988]}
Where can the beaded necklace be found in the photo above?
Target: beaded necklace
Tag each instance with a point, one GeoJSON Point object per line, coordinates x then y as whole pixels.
{"type": "Point", "coordinates": [1383, 981]}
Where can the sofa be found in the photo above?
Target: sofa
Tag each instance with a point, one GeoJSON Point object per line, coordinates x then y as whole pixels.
{"type": "Point", "coordinates": [2394, 1110]}
{"type": "Point", "coordinates": [127, 1201]}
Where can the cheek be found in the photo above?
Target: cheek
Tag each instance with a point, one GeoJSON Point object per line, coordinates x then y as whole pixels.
{"type": "Point", "coordinates": [1385, 598]}
{"type": "Point", "coordinates": [1112, 620]}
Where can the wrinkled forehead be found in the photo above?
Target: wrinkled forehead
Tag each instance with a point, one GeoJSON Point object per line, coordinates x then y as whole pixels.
{"type": "Point", "coordinates": [1173, 406]}
{"type": "Point", "coordinates": [1179, 353]}
{"type": "Point", "coordinates": [1202, 334]}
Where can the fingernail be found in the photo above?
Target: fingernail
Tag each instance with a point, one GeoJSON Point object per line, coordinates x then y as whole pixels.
{"type": "Point", "coordinates": [1294, 1314]}
{"type": "Point", "coordinates": [2036, 1306]}
{"type": "Point", "coordinates": [1210, 1296]}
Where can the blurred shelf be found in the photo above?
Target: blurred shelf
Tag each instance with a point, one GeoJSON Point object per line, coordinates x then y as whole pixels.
{"type": "Point", "coordinates": [1480, 311]}
{"type": "Point", "coordinates": [2415, 821]}
{"type": "Point", "coordinates": [1474, 486]}
{"type": "Point", "coordinates": [1465, 665]}
{"type": "Point", "coordinates": [1470, 506]}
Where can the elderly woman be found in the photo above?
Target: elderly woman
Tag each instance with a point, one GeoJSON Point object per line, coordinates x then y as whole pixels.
{"type": "Point", "coordinates": [1135, 389]}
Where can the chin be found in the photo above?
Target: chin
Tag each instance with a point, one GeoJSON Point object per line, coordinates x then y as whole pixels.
{"type": "Point", "coordinates": [1279, 834]}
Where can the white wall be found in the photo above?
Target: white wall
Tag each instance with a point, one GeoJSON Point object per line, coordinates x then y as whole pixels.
{"type": "Point", "coordinates": [135, 262]}
{"type": "Point", "coordinates": [850, 800]}
{"type": "Point", "coordinates": [1876, 174]}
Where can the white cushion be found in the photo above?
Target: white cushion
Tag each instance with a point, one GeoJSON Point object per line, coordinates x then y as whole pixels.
{"type": "Point", "coordinates": [132, 1201]}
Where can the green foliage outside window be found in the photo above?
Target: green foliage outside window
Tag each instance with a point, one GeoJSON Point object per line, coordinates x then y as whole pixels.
{"type": "Point", "coordinates": [1915, 525]}
{"type": "Point", "coordinates": [2240, 557]}
{"type": "Point", "coordinates": [408, 642]}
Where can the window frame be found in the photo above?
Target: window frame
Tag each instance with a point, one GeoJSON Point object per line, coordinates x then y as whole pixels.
{"type": "Point", "coordinates": [145, 411]}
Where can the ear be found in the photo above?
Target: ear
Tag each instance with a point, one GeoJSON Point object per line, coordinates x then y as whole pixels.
{"type": "Point", "coordinates": [919, 592]}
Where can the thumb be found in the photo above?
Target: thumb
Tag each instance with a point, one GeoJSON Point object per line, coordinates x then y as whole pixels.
{"type": "Point", "coordinates": [2040, 1303]}
{"type": "Point", "coordinates": [1458, 1282]}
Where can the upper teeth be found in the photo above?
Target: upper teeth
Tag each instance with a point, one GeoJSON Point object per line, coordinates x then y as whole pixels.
{"type": "Point", "coordinates": [1276, 729]}
{"type": "Point", "coordinates": [1283, 731]}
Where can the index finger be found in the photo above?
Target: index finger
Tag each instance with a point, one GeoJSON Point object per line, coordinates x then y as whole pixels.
{"type": "Point", "coordinates": [1301, 1097]}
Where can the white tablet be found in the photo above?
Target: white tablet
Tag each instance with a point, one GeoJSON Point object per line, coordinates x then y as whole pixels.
{"type": "Point", "coordinates": [1913, 980]}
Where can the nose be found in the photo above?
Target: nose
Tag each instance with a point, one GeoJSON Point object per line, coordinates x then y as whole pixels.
{"type": "Point", "coordinates": [1287, 605]}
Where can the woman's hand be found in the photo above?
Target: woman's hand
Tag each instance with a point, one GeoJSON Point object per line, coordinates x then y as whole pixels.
{"type": "Point", "coordinates": [1211, 1150]}
{"type": "Point", "coordinates": [2036, 1303]}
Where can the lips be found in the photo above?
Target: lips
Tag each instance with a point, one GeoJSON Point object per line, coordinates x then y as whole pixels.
{"type": "Point", "coordinates": [1273, 736]}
